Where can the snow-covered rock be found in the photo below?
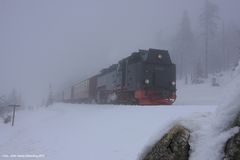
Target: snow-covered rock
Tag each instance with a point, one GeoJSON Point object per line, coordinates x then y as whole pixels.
{"type": "Point", "coordinates": [232, 149]}
{"type": "Point", "coordinates": [173, 146]}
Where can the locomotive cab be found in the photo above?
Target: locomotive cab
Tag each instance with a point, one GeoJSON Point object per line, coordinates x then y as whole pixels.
{"type": "Point", "coordinates": [156, 78]}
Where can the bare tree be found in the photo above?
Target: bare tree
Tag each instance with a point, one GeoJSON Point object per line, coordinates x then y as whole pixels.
{"type": "Point", "coordinates": [208, 20]}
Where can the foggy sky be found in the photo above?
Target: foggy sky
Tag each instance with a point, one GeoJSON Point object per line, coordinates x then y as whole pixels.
{"type": "Point", "coordinates": [56, 41]}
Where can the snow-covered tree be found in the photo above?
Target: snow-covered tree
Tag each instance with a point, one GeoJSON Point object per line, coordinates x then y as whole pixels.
{"type": "Point", "coordinates": [50, 96]}
{"type": "Point", "coordinates": [184, 47]}
{"type": "Point", "coordinates": [208, 20]}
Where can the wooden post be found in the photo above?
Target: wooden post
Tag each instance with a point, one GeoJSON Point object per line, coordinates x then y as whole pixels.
{"type": "Point", "coordinates": [14, 110]}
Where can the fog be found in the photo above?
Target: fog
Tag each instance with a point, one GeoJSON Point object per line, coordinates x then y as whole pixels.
{"type": "Point", "coordinates": [56, 42]}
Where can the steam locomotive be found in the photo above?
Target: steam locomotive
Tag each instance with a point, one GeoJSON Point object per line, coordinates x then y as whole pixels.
{"type": "Point", "coordinates": [146, 77]}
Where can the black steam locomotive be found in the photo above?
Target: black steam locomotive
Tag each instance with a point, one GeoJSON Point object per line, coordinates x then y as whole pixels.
{"type": "Point", "coordinates": [147, 77]}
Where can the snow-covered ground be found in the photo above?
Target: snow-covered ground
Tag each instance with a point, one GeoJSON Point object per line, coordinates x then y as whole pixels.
{"type": "Point", "coordinates": [205, 93]}
{"type": "Point", "coordinates": [120, 132]}
{"type": "Point", "coordinates": [90, 131]}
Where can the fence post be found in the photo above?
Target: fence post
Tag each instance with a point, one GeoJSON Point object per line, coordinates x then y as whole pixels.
{"type": "Point", "coordinates": [14, 110]}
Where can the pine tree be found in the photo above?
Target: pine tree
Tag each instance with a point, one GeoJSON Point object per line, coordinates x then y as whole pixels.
{"type": "Point", "coordinates": [208, 20]}
{"type": "Point", "coordinates": [50, 96]}
{"type": "Point", "coordinates": [184, 46]}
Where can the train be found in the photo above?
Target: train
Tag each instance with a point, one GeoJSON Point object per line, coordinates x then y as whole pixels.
{"type": "Point", "coordinates": [146, 77]}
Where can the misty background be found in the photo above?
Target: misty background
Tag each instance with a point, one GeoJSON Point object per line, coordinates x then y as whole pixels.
{"type": "Point", "coordinates": [58, 42]}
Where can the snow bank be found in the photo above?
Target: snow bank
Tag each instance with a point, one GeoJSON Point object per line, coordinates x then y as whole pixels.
{"type": "Point", "coordinates": [211, 132]}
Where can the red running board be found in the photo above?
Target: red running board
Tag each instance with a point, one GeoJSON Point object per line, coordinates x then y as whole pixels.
{"type": "Point", "coordinates": [152, 99]}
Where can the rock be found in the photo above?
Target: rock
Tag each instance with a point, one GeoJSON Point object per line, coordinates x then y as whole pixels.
{"type": "Point", "coordinates": [232, 148]}
{"type": "Point", "coordinates": [237, 121]}
{"type": "Point", "coordinates": [173, 146]}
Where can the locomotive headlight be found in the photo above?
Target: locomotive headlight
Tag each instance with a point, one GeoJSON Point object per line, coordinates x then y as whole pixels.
{"type": "Point", "coordinates": [147, 81]}
{"type": "Point", "coordinates": [173, 83]}
{"type": "Point", "coordinates": [160, 56]}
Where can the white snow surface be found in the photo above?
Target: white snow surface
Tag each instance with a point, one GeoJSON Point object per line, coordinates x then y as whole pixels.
{"type": "Point", "coordinates": [121, 132]}
{"type": "Point", "coordinates": [67, 131]}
